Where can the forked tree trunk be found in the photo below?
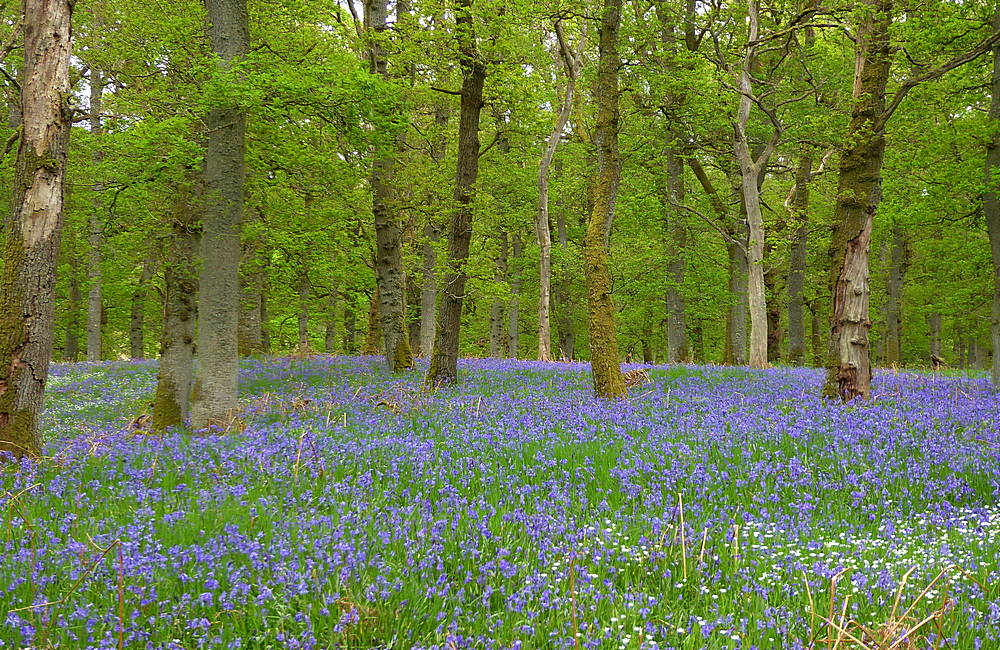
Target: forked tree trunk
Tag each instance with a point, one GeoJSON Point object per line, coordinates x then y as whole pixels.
{"type": "Point", "coordinates": [898, 255]}
{"type": "Point", "coordinates": [991, 203]}
{"type": "Point", "coordinates": [572, 63]}
{"type": "Point", "coordinates": [213, 397]}
{"type": "Point", "coordinates": [96, 222]}
{"type": "Point", "coordinates": [605, 365]}
{"type": "Point", "coordinates": [389, 273]}
{"type": "Point", "coordinates": [174, 376]}
{"type": "Point", "coordinates": [32, 228]}
{"type": "Point", "coordinates": [137, 315]}
{"type": "Point", "coordinates": [859, 189]}
{"type": "Point", "coordinates": [444, 363]}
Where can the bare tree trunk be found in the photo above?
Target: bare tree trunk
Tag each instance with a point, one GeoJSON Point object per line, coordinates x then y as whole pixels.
{"type": "Point", "coordinates": [893, 307]}
{"type": "Point", "coordinates": [513, 311]}
{"type": "Point", "coordinates": [604, 362]}
{"type": "Point", "coordinates": [428, 290]}
{"type": "Point", "coordinates": [991, 203]}
{"type": "Point", "coordinates": [819, 349]}
{"type": "Point", "coordinates": [859, 190]}
{"type": "Point", "coordinates": [213, 397]}
{"type": "Point", "coordinates": [565, 323]}
{"type": "Point", "coordinates": [174, 376]}
{"type": "Point", "coordinates": [373, 338]}
{"type": "Point", "coordinates": [677, 341]}
{"type": "Point", "coordinates": [389, 273]}
{"type": "Point", "coordinates": [412, 313]}
{"type": "Point", "coordinates": [32, 228]}
{"type": "Point", "coordinates": [572, 63]}
{"type": "Point", "coordinates": [498, 336]}
{"type": "Point", "coordinates": [934, 320]}
{"type": "Point", "coordinates": [350, 326]}
{"type": "Point", "coordinates": [265, 319]}
{"type": "Point", "coordinates": [444, 364]}
{"type": "Point", "coordinates": [96, 234]}
{"type": "Point", "coordinates": [736, 318]}
{"type": "Point", "coordinates": [304, 291]}
{"type": "Point", "coordinates": [330, 335]}
{"type": "Point", "coordinates": [71, 350]}
{"type": "Point", "coordinates": [798, 206]}
{"type": "Point", "coordinates": [249, 332]}
{"type": "Point", "coordinates": [137, 315]}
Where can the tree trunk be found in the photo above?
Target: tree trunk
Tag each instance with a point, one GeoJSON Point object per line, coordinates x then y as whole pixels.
{"type": "Point", "coordinates": [736, 318]}
{"type": "Point", "coordinates": [562, 290]}
{"type": "Point", "coordinates": [96, 235]}
{"type": "Point", "coordinates": [71, 350]}
{"type": "Point", "coordinates": [137, 316]}
{"type": "Point", "coordinates": [304, 291]}
{"type": "Point", "coordinates": [32, 228]}
{"type": "Point", "coordinates": [572, 63]}
{"type": "Point", "coordinates": [513, 311]}
{"type": "Point", "coordinates": [859, 189]}
{"type": "Point", "coordinates": [677, 341]}
{"type": "Point", "coordinates": [265, 319]}
{"type": "Point", "coordinates": [798, 206]}
{"type": "Point", "coordinates": [819, 349]}
{"type": "Point", "coordinates": [605, 365]}
{"type": "Point", "coordinates": [213, 397]}
{"type": "Point", "coordinates": [893, 307]}
{"type": "Point", "coordinates": [350, 325]}
{"type": "Point", "coordinates": [428, 290]}
{"type": "Point", "coordinates": [249, 333]}
{"type": "Point", "coordinates": [373, 338]}
{"type": "Point", "coordinates": [498, 338]}
{"type": "Point", "coordinates": [444, 364]}
{"type": "Point", "coordinates": [934, 321]}
{"type": "Point", "coordinates": [412, 313]}
{"type": "Point", "coordinates": [991, 202]}
{"type": "Point", "coordinates": [389, 274]}
{"type": "Point", "coordinates": [330, 335]}
{"type": "Point", "coordinates": [174, 376]}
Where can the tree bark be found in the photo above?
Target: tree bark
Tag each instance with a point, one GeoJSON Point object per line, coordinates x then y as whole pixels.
{"type": "Point", "coordinates": [859, 189]}
{"type": "Point", "coordinates": [513, 310]}
{"type": "Point", "coordinates": [432, 233]}
{"type": "Point", "coordinates": [96, 222]}
{"type": "Point", "coordinates": [677, 340]}
{"type": "Point", "coordinates": [991, 202]}
{"type": "Point", "coordinates": [498, 338]}
{"type": "Point", "coordinates": [213, 397]}
{"type": "Point", "coordinates": [137, 313]}
{"type": "Point", "coordinates": [572, 63]}
{"type": "Point", "coordinates": [304, 291]}
{"type": "Point", "coordinates": [934, 321]}
{"type": "Point", "coordinates": [444, 363]}
{"type": "Point", "coordinates": [736, 318]}
{"type": "Point", "coordinates": [605, 365]}
{"type": "Point", "coordinates": [33, 227]}
{"type": "Point", "coordinates": [71, 350]}
{"type": "Point", "coordinates": [562, 289]}
{"type": "Point", "coordinates": [330, 334]}
{"type": "Point", "coordinates": [798, 207]}
{"type": "Point", "coordinates": [350, 325]}
{"type": "Point", "coordinates": [174, 376]}
{"type": "Point", "coordinates": [249, 332]}
{"type": "Point", "coordinates": [389, 274]}
{"type": "Point", "coordinates": [898, 256]}
{"type": "Point", "coordinates": [373, 338]}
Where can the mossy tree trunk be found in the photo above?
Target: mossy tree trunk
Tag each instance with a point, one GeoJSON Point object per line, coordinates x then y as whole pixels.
{"type": "Point", "coordinates": [33, 226]}
{"type": "Point", "coordinates": [444, 362]}
{"type": "Point", "coordinates": [859, 190]}
{"type": "Point", "coordinates": [173, 378]}
{"type": "Point", "coordinates": [213, 397]}
{"type": "Point", "coordinates": [605, 365]}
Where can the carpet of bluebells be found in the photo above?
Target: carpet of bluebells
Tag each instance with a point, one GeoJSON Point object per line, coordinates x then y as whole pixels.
{"type": "Point", "coordinates": [350, 509]}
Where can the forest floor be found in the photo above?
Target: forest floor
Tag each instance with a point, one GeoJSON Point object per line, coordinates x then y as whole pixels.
{"type": "Point", "coordinates": [346, 508]}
